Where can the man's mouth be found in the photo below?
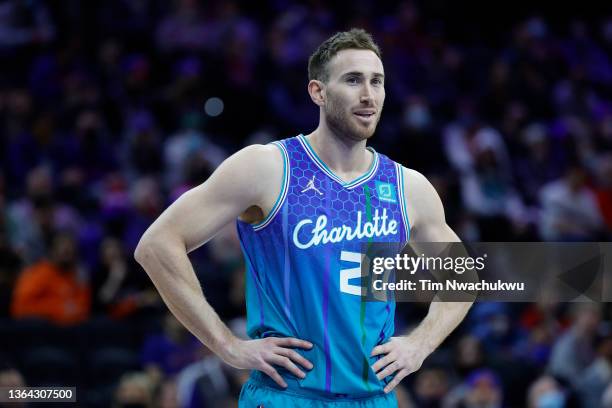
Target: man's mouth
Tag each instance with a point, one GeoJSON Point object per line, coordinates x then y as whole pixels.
{"type": "Point", "coordinates": [365, 113]}
{"type": "Point", "coordinates": [365, 116]}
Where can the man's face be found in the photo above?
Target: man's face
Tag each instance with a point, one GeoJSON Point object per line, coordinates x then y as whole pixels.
{"type": "Point", "coordinates": [355, 93]}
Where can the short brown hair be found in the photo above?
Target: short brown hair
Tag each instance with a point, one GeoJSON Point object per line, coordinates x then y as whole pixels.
{"type": "Point", "coordinates": [356, 38]}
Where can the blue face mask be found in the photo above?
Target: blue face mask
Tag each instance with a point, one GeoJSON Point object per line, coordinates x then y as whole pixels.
{"type": "Point", "coordinates": [552, 399]}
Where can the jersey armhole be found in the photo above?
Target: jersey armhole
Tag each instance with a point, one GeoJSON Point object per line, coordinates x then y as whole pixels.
{"type": "Point", "coordinates": [402, 197]}
{"type": "Point", "coordinates": [283, 191]}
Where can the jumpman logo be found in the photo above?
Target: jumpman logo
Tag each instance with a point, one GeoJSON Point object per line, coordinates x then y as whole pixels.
{"type": "Point", "coordinates": [311, 186]}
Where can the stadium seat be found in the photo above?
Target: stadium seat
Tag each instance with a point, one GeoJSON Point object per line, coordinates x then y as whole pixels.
{"type": "Point", "coordinates": [106, 366]}
{"type": "Point", "coordinates": [46, 366]}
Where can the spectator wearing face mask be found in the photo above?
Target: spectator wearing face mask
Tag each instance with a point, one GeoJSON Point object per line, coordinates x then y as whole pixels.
{"type": "Point", "coordinates": [546, 392]}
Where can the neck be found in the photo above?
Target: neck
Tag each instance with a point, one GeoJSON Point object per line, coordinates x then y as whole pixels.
{"type": "Point", "coordinates": [346, 157]}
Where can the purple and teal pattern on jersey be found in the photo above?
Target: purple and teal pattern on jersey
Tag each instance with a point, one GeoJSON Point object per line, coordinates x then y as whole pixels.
{"type": "Point", "coordinates": [303, 265]}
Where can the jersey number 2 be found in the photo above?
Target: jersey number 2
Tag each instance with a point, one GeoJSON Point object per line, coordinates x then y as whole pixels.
{"type": "Point", "coordinates": [347, 274]}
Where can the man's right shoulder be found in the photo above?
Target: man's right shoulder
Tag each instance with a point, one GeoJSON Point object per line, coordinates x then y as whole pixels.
{"type": "Point", "coordinates": [260, 160]}
{"type": "Point", "coordinates": [257, 173]}
{"type": "Point", "coordinates": [263, 153]}
{"type": "Point", "coordinates": [254, 172]}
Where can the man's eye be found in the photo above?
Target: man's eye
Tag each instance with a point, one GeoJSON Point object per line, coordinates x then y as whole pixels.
{"type": "Point", "coordinates": [377, 81]}
{"type": "Point", "coordinates": [353, 80]}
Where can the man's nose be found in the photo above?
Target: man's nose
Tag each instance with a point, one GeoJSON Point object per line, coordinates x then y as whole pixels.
{"type": "Point", "coordinates": [366, 94]}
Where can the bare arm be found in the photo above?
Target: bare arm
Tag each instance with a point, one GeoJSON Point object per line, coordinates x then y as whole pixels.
{"type": "Point", "coordinates": [405, 354]}
{"type": "Point", "coordinates": [430, 226]}
{"type": "Point", "coordinates": [246, 179]}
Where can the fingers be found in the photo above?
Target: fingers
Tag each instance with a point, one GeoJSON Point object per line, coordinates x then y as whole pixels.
{"type": "Point", "coordinates": [390, 369]}
{"type": "Point", "coordinates": [279, 353]}
{"type": "Point", "coordinates": [396, 380]}
{"type": "Point", "coordinates": [295, 356]}
{"type": "Point", "coordinates": [381, 349]}
{"type": "Point", "coordinates": [383, 362]}
{"type": "Point", "coordinates": [288, 364]}
{"type": "Point", "coordinates": [291, 342]}
{"type": "Point", "coordinates": [272, 373]}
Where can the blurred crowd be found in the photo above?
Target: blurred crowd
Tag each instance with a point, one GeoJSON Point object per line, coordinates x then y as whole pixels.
{"type": "Point", "coordinates": [110, 110]}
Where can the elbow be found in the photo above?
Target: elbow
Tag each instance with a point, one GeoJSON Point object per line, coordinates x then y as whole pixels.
{"type": "Point", "coordinates": [144, 249]}
{"type": "Point", "coordinates": [139, 252]}
{"type": "Point", "coordinates": [154, 246]}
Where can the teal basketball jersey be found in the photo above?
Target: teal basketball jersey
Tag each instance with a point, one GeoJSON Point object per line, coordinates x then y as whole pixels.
{"type": "Point", "coordinates": [304, 266]}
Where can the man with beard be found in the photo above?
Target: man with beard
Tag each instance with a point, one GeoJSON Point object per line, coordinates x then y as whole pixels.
{"type": "Point", "coordinates": [52, 288]}
{"type": "Point", "coordinates": [304, 206]}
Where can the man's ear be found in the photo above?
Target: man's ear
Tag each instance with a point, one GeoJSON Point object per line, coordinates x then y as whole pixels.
{"type": "Point", "coordinates": [316, 90]}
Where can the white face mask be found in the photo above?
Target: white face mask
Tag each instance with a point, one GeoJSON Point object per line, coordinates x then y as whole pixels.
{"type": "Point", "coordinates": [552, 399]}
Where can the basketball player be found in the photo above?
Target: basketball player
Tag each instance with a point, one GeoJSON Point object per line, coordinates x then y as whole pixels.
{"type": "Point", "coordinates": [304, 206]}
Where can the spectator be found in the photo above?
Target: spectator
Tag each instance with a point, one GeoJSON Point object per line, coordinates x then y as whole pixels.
{"type": "Point", "coordinates": [135, 389]}
{"type": "Point", "coordinates": [167, 395]}
{"type": "Point", "coordinates": [24, 24]}
{"type": "Point", "coordinates": [189, 144]}
{"type": "Point", "coordinates": [54, 289]}
{"type": "Point", "coordinates": [606, 400]}
{"type": "Point", "coordinates": [185, 28]}
{"type": "Point", "coordinates": [569, 209]}
{"type": "Point", "coordinates": [431, 385]}
{"type": "Point", "coordinates": [37, 215]}
{"type": "Point", "coordinates": [598, 375]}
{"type": "Point", "coordinates": [546, 392]}
{"type": "Point", "coordinates": [484, 391]}
{"type": "Point", "coordinates": [487, 187]}
{"type": "Point", "coordinates": [490, 322]}
{"type": "Point", "coordinates": [468, 355]}
{"type": "Point", "coordinates": [481, 389]}
{"type": "Point", "coordinates": [117, 289]}
{"type": "Point", "coordinates": [143, 146]}
{"type": "Point", "coordinates": [167, 353]}
{"type": "Point", "coordinates": [146, 203]}
{"type": "Point", "coordinates": [540, 326]}
{"type": "Point", "coordinates": [542, 163]}
{"type": "Point", "coordinates": [463, 143]}
{"type": "Point", "coordinates": [85, 148]}
{"type": "Point", "coordinates": [210, 382]}
{"type": "Point", "coordinates": [573, 351]}
{"type": "Point", "coordinates": [10, 378]}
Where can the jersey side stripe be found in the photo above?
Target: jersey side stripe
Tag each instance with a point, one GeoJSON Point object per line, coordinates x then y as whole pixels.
{"type": "Point", "coordinates": [284, 189]}
{"type": "Point", "coordinates": [400, 188]}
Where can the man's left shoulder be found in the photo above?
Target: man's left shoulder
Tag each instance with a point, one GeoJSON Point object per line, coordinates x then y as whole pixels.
{"type": "Point", "coordinates": [423, 201]}
{"type": "Point", "coordinates": [414, 179]}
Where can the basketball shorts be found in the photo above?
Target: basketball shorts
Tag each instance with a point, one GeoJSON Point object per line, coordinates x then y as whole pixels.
{"type": "Point", "coordinates": [261, 392]}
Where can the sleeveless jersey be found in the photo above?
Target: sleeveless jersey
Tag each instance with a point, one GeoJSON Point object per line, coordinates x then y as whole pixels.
{"type": "Point", "coordinates": [303, 266]}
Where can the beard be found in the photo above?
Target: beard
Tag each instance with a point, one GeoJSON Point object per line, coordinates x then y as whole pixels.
{"type": "Point", "coordinates": [342, 122]}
